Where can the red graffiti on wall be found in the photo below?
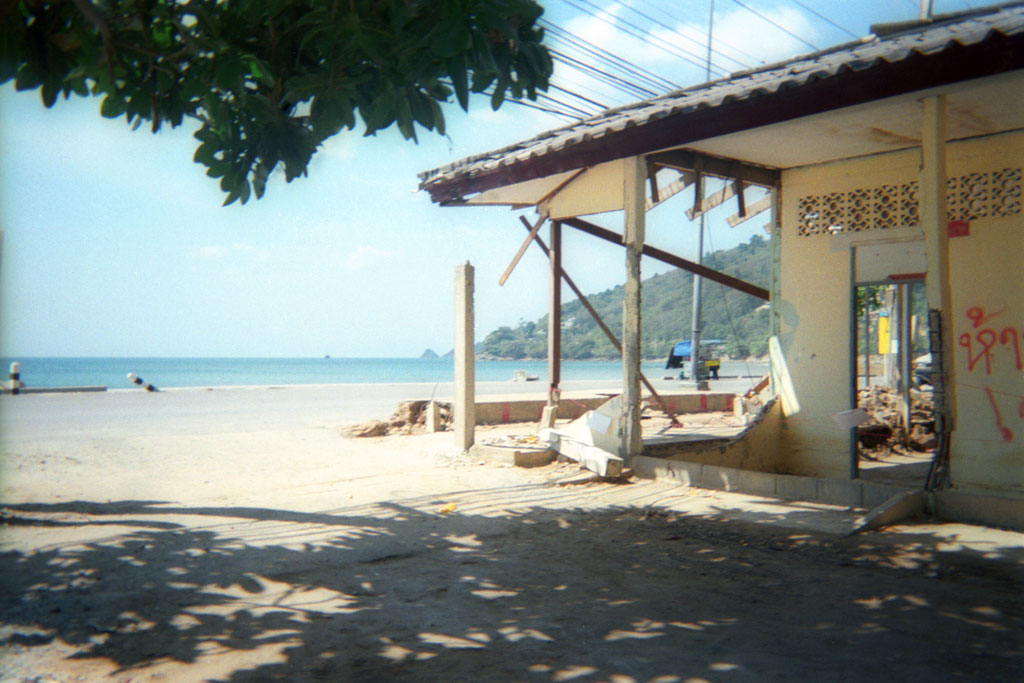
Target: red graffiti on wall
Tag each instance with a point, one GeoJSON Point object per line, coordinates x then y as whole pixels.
{"type": "Point", "coordinates": [1003, 429]}
{"type": "Point", "coordinates": [990, 345]}
{"type": "Point", "coordinates": [987, 339]}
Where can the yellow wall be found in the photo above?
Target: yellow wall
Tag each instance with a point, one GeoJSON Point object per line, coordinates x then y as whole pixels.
{"type": "Point", "coordinates": [987, 270]}
{"type": "Point", "coordinates": [987, 279]}
{"type": "Point", "coordinates": [814, 315]}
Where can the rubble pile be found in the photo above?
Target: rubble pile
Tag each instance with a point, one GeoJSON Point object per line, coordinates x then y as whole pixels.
{"type": "Point", "coordinates": [409, 418]}
{"type": "Point", "coordinates": [884, 433]}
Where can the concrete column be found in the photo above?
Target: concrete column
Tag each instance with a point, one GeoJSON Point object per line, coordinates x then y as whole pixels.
{"type": "Point", "coordinates": [465, 399]}
{"type": "Point", "coordinates": [634, 204]}
{"type": "Point", "coordinates": [934, 221]}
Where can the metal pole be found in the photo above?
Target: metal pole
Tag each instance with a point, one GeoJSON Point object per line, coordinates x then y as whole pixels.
{"type": "Point", "coordinates": [695, 320]}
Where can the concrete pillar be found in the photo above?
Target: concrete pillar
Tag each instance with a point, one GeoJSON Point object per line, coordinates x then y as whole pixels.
{"type": "Point", "coordinates": [634, 204]}
{"type": "Point", "coordinates": [465, 399]}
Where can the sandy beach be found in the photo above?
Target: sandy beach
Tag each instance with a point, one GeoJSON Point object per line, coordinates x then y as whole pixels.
{"type": "Point", "coordinates": [236, 535]}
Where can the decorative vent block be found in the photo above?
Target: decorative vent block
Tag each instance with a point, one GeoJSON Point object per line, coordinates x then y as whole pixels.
{"type": "Point", "coordinates": [968, 197]}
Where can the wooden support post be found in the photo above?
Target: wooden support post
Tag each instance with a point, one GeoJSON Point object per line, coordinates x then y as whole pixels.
{"type": "Point", "coordinates": [555, 314]}
{"type": "Point", "coordinates": [936, 239]}
{"type": "Point", "coordinates": [604, 328]}
{"type": "Point", "coordinates": [633, 203]}
{"type": "Point", "coordinates": [465, 399]}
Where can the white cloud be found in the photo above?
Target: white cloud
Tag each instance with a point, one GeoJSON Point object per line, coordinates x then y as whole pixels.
{"type": "Point", "coordinates": [365, 256]}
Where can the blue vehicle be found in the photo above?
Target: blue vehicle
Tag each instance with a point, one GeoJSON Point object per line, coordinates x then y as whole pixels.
{"type": "Point", "coordinates": [679, 357]}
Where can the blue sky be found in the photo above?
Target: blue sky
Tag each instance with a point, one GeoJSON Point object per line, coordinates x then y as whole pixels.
{"type": "Point", "coordinates": [116, 244]}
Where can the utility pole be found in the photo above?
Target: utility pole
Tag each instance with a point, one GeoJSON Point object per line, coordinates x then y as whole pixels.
{"type": "Point", "coordinates": [695, 320]}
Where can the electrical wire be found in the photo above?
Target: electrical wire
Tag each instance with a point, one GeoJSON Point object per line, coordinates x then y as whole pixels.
{"type": "Point", "coordinates": [776, 25]}
{"type": "Point", "coordinates": [603, 76]}
{"type": "Point", "coordinates": [610, 59]}
{"type": "Point", "coordinates": [719, 40]}
{"type": "Point", "coordinates": [699, 44]}
{"type": "Point", "coordinates": [822, 16]}
{"type": "Point", "coordinates": [643, 35]}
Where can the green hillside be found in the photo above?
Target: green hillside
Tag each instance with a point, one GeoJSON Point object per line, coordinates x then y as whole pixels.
{"type": "Point", "coordinates": [739, 319]}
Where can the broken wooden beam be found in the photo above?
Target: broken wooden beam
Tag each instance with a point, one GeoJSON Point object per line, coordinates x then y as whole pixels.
{"type": "Point", "coordinates": [522, 249]}
{"type": "Point", "coordinates": [760, 206]}
{"type": "Point", "coordinates": [604, 328]}
{"type": "Point", "coordinates": [673, 260]}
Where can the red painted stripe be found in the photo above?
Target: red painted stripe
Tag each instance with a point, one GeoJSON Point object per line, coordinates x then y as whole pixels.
{"type": "Point", "coordinates": [506, 411]}
{"type": "Point", "coordinates": [703, 402]}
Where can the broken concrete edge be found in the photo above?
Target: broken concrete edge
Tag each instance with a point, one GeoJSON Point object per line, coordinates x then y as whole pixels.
{"type": "Point", "coordinates": [902, 506]}
{"type": "Point", "coordinates": [884, 505]}
{"type": "Point", "coordinates": [518, 456]}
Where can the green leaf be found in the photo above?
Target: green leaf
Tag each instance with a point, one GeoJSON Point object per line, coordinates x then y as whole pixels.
{"type": "Point", "coordinates": [450, 37]}
{"type": "Point", "coordinates": [498, 96]}
{"type": "Point", "coordinates": [113, 105]}
{"type": "Point", "coordinates": [458, 73]}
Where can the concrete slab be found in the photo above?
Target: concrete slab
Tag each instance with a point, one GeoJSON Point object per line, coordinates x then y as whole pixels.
{"type": "Point", "coordinates": [978, 508]}
{"type": "Point", "coordinates": [896, 509]}
{"type": "Point", "coordinates": [791, 487]}
{"type": "Point", "coordinates": [515, 455]}
{"type": "Point", "coordinates": [758, 483]}
{"type": "Point", "coordinates": [840, 492]}
{"type": "Point", "coordinates": [681, 472]}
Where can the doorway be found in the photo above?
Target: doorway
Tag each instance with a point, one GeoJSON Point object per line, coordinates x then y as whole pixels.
{"type": "Point", "coordinates": [892, 374]}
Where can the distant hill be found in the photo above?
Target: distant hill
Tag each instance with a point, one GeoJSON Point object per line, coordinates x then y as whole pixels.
{"type": "Point", "coordinates": [739, 319]}
{"type": "Point", "coordinates": [429, 354]}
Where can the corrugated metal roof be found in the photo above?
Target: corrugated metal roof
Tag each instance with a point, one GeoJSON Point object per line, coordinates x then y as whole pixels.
{"type": "Point", "coordinates": [925, 38]}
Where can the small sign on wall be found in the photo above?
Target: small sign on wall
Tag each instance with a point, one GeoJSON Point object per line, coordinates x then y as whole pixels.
{"type": "Point", "coordinates": [959, 228]}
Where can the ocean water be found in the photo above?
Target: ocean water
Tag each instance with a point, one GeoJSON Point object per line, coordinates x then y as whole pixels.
{"type": "Point", "coordinates": [211, 372]}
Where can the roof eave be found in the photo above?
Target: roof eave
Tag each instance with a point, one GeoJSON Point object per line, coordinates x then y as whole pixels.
{"type": "Point", "coordinates": [995, 54]}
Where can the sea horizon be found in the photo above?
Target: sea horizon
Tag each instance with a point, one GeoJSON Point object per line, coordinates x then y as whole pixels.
{"type": "Point", "coordinates": [215, 371]}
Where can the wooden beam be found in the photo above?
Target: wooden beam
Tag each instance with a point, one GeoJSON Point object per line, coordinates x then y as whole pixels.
{"type": "Point", "coordinates": [554, 311]}
{"type": "Point", "coordinates": [603, 327]}
{"type": "Point", "coordinates": [738, 188]}
{"type": "Point", "coordinates": [519, 254]}
{"type": "Point", "coordinates": [689, 160]}
{"type": "Point", "coordinates": [760, 206]}
{"type": "Point", "coordinates": [671, 190]}
{"type": "Point", "coordinates": [673, 260]}
{"type": "Point", "coordinates": [713, 200]}
{"type": "Point", "coordinates": [652, 178]}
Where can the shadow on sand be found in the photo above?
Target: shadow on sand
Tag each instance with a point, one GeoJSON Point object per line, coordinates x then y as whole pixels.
{"type": "Point", "coordinates": [394, 592]}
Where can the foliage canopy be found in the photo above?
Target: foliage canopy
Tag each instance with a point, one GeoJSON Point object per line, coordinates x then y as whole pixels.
{"type": "Point", "coordinates": [270, 80]}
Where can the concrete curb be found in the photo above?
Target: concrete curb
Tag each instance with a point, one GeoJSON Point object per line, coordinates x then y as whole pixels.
{"type": "Point", "coordinates": [886, 504]}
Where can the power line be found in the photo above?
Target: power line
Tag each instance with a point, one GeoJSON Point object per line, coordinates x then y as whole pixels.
{"type": "Point", "coordinates": [613, 60]}
{"type": "Point", "coordinates": [680, 33]}
{"type": "Point", "coordinates": [643, 35]}
{"type": "Point", "coordinates": [719, 40]}
{"type": "Point", "coordinates": [822, 16]}
{"type": "Point", "coordinates": [601, 107]}
{"type": "Point", "coordinates": [777, 25]}
{"type": "Point", "coordinates": [602, 76]}
{"type": "Point", "coordinates": [630, 88]}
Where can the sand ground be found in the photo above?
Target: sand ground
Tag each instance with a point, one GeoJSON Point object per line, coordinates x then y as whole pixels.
{"type": "Point", "coordinates": [235, 535]}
